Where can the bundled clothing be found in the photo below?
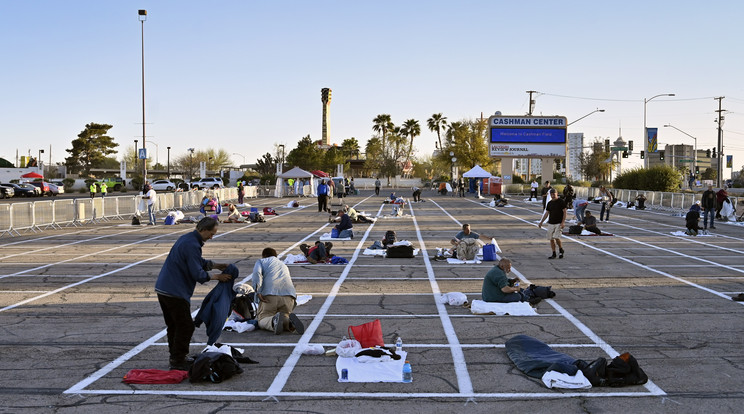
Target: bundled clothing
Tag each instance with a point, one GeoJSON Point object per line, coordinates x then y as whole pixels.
{"type": "Point", "coordinates": [216, 306]}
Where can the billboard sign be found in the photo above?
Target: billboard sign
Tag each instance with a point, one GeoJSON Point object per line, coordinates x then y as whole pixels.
{"type": "Point", "coordinates": [527, 136]}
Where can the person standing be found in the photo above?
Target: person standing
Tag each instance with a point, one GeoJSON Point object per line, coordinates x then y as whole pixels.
{"type": "Point", "coordinates": [555, 212]}
{"type": "Point", "coordinates": [175, 285]}
{"type": "Point", "coordinates": [378, 184]}
{"type": "Point", "coordinates": [568, 194]}
{"type": "Point", "coordinates": [461, 187]}
{"type": "Point", "coordinates": [93, 190]}
{"type": "Point", "coordinates": [709, 207]}
{"type": "Point", "coordinates": [241, 191]}
{"type": "Point", "coordinates": [322, 196]}
{"type": "Point", "coordinates": [275, 295]}
{"type": "Point", "coordinates": [544, 193]}
{"type": "Point", "coordinates": [721, 195]}
{"type": "Point", "coordinates": [150, 196]}
{"type": "Point", "coordinates": [579, 206]}
{"type": "Point", "coordinates": [104, 189]}
{"type": "Point", "coordinates": [607, 197]}
{"type": "Point", "coordinates": [533, 189]}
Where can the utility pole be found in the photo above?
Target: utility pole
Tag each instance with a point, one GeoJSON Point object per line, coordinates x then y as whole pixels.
{"type": "Point", "coordinates": [529, 160]}
{"type": "Point", "coordinates": [532, 103]}
{"type": "Point", "coordinates": [720, 140]}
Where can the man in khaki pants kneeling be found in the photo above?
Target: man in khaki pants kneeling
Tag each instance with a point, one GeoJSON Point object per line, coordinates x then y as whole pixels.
{"type": "Point", "coordinates": [275, 295]}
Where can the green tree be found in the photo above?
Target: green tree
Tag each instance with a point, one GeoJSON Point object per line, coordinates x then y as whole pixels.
{"type": "Point", "coordinates": [306, 155]}
{"type": "Point", "coordinates": [410, 129]}
{"type": "Point", "coordinates": [597, 164]}
{"type": "Point", "coordinates": [6, 164]}
{"type": "Point", "coordinates": [332, 157]}
{"type": "Point", "coordinates": [709, 174]}
{"type": "Point", "coordinates": [350, 147]}
{"type": "Point", "coordinates": [382, 124]}
{"type": "Point", "coordinates": [467, 140]}
{"type": "Point", "coordinates": [189, 163]}
{"type": "Point", "coordinates": [266, 165]}
{"type": "Point", "coordinates": [436, 123]}
{"type": "Point", "coordinates": [90, 148]}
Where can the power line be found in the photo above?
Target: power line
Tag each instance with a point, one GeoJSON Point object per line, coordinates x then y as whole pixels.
{"type": "Point", "coordinates": [620, 100]}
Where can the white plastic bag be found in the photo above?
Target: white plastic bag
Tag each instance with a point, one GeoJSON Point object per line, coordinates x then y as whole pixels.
{"type": "Point", "coordinates": [313, 349]}
{"type": "Point", "coordinates": [454, 298]}
{"type": "Point", "coordinates": [348, 348]}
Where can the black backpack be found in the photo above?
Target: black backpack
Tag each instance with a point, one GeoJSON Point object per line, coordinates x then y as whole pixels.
{"type": "Point", "coordinates": [214, 367]}
{"type": "Point", "coordinates": [389, 238]}
{"type": "Point", "coordinates": [135, 221]}
{"type": "Point", "coordinates": [245, 306]}
{"type": "Point", "coordinates": [403, 251]}
{"type": "Point", "coordinates": [575, 229]}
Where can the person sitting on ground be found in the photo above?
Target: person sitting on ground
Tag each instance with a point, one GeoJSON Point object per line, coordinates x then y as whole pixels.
{"type": "Point", "coordinates": [344, 226]}
{"type": "Point", "coordinates": [590, 223]}
{"type": "Point", "coordinates": [500, 201]}
{"type": "Point", "coordinates": [320, 253]}
{"type": "Point", "coordinates": [692, 218]}
{"type": "Point", "coordinates": [640, 202]}
{"type": "Point", "coordinates": [234, 215]}
{"type": "Point", "coordinates": [275, 295]}
{"type": "Point", "coordinates": [466, 233]}
{"type": "Point", "coordinates": [498, 288]}
{"type": "Point", "coordinates": [356, 217]}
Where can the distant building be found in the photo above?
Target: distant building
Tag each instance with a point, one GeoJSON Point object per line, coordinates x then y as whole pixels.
{"type": "Point", "coordinates": [575, 147]}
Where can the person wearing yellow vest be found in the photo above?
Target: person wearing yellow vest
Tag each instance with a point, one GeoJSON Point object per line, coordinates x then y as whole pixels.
{"type": "Point", "coordinates": [92, 190]}
{"type": "Point", "coordinates": [104, 189]}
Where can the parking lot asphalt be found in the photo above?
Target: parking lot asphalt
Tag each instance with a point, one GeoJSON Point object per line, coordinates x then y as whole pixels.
{"type": "Point", "coordinates": [78, 310]}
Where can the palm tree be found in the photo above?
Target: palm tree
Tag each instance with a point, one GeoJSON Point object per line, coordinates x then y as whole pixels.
{"type": "Point", "coordinates": [411, 129]}
{"type": "Point", "coordinates": [435, 123]}
{"type": "Point", "coordinates": [383, 124]}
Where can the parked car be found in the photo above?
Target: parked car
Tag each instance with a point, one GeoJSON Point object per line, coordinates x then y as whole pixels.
{"type": "Point", "coordinates": [55, 190]}
{"type": "Point", "coordinates": [60, 185]}
{"type": "Point", "coordinates": [207, 182]}
{"type": "Point", "coordinates": [6, 192]}
{"type": "Point", "coordinates": [163, 185]}
{"type": "Point", "coordinates": [23, 190]}
{"type": "Point", "coordinates": [43, 186]}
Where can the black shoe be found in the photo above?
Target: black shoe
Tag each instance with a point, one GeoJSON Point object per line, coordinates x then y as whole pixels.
{"type": "Point", "coordinates": [713, 227]}
{"type": "Point", "coordinates": [560, 256]}
{"type": "Point", "coordinates": [182, 364]}
{"type": "Point", "coordinates": [296, 323]}
{"type": "Point", "coordinates": [553, 256]}
{"type": "Point", "coordinates": [534, 301]}
{"type": "Point", "coordinates": [278, 322]}
{"type": "Point", "coordinates": [739, 298]}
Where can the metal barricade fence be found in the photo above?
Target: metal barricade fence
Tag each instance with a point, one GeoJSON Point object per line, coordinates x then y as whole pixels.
{"type": "Point", "coordinates": [165, 202]}
{"type": "Point", "coordinates": [125, 206]}
{"type": "Point", "coordinates": [6, 220]}
{"type": "Point", "coordinates": [44, 215]}
{"type": "Point", "coordinates": [178, 200]}
{"type": "Point", "coordinates": [84, 211]}
{"type": "Point", "coordinates": [252, 191]}
{"type": "Point", "coordinates": [109, 210]}
{"type": "Point", "coordinates": [98, 208]}
{"type": "Point", "coordinates": [64, 212]}
{"type": "Point", "coordinates": [22, 216]}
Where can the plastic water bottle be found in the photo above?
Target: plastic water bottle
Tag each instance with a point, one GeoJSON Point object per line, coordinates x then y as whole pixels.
{"type": "Point", "coordinates": [399, 345]}
{"type": "Point", "coordinates": [407, 373]}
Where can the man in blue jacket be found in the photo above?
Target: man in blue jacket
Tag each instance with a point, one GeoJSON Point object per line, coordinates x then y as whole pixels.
{"type": "Point", "coordinates": [183, 267]}
{"type": "Point", "coordinates": [322, 196]}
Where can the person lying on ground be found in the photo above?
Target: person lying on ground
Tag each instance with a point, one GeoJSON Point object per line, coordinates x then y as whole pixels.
{"type": "Point", "coordinates": [320, 253]}
{"type": "Point", "coordinates": [355, 216]}
{"type": "Point", "coordinates": [500, 200]}
{"type": "Point", "coordinates": [590, 223]}
{"type": "Point", "coordinates": [497, 287]}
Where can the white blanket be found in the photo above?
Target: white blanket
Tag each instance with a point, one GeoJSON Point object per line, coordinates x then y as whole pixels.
{"type": "Point", "coordinates": [480, 307]}
{"type": "Point", "coordinates": [327, 237]}
{"type": "Point", "coordinates": [683, 234]}
{"type": "Point", "coordinates": [452, 260]}
{"type": "Point", "coordinates": [390, 371]}
{"type": "Point", "coordinates": [239, 327]}
{"type": "Point", "coordinates": [555, 379]}
{"type": "Point", "coordinates": [303, 299]}
{"type": "Point", "coordinates": [295, 258]}
{"type": "Point", "coordinates": [383, 252]}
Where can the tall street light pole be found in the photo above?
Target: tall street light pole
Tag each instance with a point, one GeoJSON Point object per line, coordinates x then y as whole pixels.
{"type": "Point", "coordinates": [645, 133]}
{"type": "Point", "coordinates": [168, 163]}
{"type": "Point", "coordinates": [191, 164]}
{"type": "Point", "coordinates": [579, 119]}
{"type": "Point", "coordinates": [142, 15]}
{"type": "Point", "coordinates": [694, 158]}
{"type": "Point", "coordinates": [136, 160]}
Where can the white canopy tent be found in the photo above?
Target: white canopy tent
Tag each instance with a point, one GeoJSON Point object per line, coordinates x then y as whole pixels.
{"type": "Point", "coordinates": [477, 172]}
{"type": "Point", "coordinates": [296, 173]}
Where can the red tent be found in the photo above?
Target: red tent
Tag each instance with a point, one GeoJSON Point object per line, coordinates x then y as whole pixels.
{"type": "Point", "coordinates": [32, 175]}
{"type": "Point", "coordinates": [319, 173]}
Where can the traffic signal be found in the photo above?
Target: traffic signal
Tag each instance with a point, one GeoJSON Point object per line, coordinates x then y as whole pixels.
{"type": "Point", "coordinates": [697, 170]}
{"type": "Point", "coordinates": [707, 153]}
{"type": "Point", "coordinates": [630, 146]}
{"type": "Point", "coordinates": [607, 145]}
{"type": "Point", "coordinates": [714, 153]}
{"type": "Point", "coordinates": [661, 155]}
{"type": "Point", "coordinates": [625, 154]}
{"type": "Point", "coordinates": [643, 154]}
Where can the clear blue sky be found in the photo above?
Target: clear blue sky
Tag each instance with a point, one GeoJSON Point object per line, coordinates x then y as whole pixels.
{"type": "Point", "coordinates": [245, 75]}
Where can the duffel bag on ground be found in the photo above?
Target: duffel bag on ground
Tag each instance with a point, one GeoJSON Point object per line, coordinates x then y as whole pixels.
{"type": "Point", "coordinates": [403, 251]}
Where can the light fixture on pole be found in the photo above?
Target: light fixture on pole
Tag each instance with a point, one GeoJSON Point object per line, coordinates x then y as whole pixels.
{"type": "Point", "coordinates": [281, 160]}
{"type": "Point", "coordinates": [191, 163]}
{"type": "Point", "coordinates": [168, 163]}
{"type": "Point", "coordinates": [645, 133]}
{"type": "Point", "coordinates": [579, 119]}
{"type": "Point", "coordinates": [142, 16]}
{"type": "Point", "coordinates": [694, 158]}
